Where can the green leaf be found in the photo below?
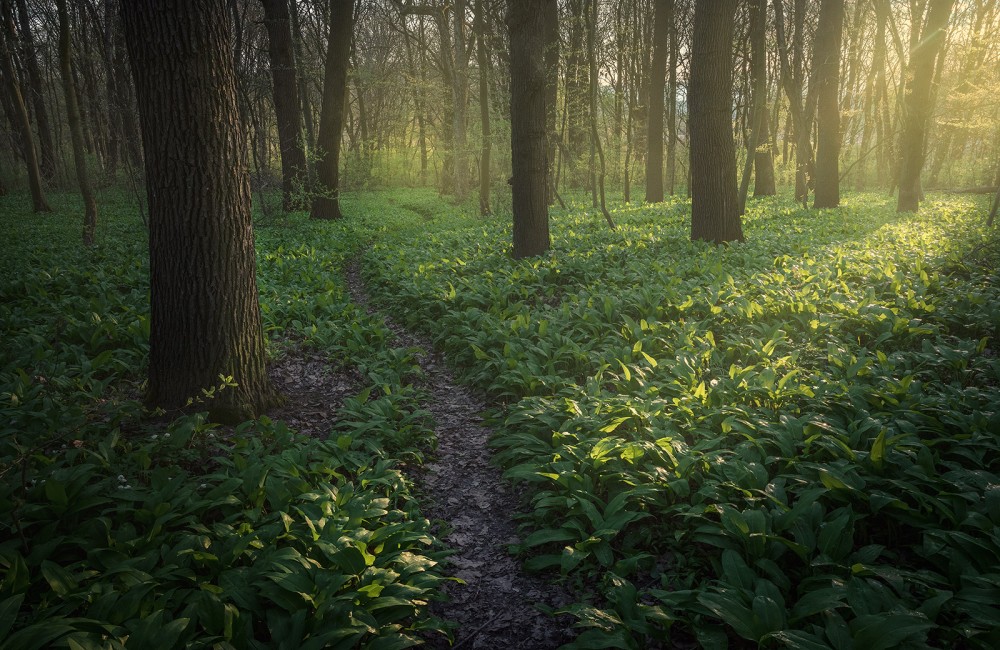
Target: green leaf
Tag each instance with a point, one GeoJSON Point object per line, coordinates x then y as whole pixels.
{"type": "Point", "coordinates": [549, 535]}
{"type": "Point", "coordinates": [9, 609]}
{"type": "Point", "coordinates": [883, 631]}
{"type": "Point", "coordinates": [59, 579]}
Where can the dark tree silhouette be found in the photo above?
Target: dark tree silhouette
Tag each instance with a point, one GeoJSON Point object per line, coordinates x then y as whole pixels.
{"type": "Point", "coordinates": [75, 127]}
{"type": "Point", "coordinates": [287, 107]}
{"type": "Point", "coordinates": [18, 111]}
{"type": "Point", "coordinates": [663, 15]}
{"type": "Point", "coordinates": [326, 204]}
{"type": "Point", "coordinates": [205, 315]}
{"type": "Point", "coordinates": [715, 206]}
{"type": "Point", "coordinates": [527, 127]}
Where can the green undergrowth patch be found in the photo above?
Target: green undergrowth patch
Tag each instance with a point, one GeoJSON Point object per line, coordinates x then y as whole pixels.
{"type": "Point", "coordinates": [792, 442]}
{"type": "Point", "coordinates": [117, 529]}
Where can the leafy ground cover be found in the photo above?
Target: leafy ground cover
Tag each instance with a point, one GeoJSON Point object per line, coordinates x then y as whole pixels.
{"type": "Point", "coordinates": [793, 442]}
{"type": "Point", "coordinates": [117, 528]}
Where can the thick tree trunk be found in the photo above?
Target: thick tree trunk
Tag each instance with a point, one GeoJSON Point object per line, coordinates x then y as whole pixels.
{"type": "Point", "coordinates": [663, 17]}
{"type": "Point", "coordinates": [287, 108]}
{"type": "Point", "coordinates": [205, 317]}
{"type": "Point", "coordinates": [75, 128]}
{"type": "Point", "coordinates": [19, 117]}
{"type": "Point", "coordinates": [527, 127]}
{"type": "Point", "coordinates": [826, 59]}
{"type": "Point", "coordinates": [482, 60]}
{"type": "Point", "coordinates": [326, 203]}
{"type": "Point", "coordinates": [918, 105]}
{"type": "Point", "coordinates": [47, 163]}
{"type": "Point", "coordinates": [714, 203]}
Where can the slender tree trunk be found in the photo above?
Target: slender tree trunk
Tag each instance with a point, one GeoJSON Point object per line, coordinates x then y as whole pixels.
{"type": "Point", "coordinates": [758, 114]}
{"type": "Point", "coordinates": [763, 161]}
{"type": "Point", "coordinates": [714, 202]}
{"type": "Point", "coordinates": [917, 104]}
{"type": "Point", "coordinates": [550, 16]}
{"type": "Point", "coordinates": [826, 60]}
{"type": "Point", "coordinates": [47, 163]}
{"type": "Point", "coordinates": [527, 127]}
{"type": "Point", "coordinates": [20, 112]}
{"type": "Point", "coordinates": [460, 99]}
{"type": "Point", "coordinates": [305, 105]}
{"type": "Point", "coordinates": [482, 60]}
{"type": "Point", "coordinates": [598, 172]}
{"type": "Point", "coordinates": [326, 202]}
{"type": "Point", "coordinates": [75, 129]}
{"type": "Point", "coordinates": [287, 109]}
{"type": "Point", "coordinates": [672, 109]}
{"type": "Point", "coordinates": [205, 316]}
{"type": "Point", "coordinates": [663, 17]}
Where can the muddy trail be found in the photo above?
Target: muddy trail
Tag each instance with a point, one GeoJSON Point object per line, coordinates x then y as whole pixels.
{"type": "Point", "coordinates": [496, 607]}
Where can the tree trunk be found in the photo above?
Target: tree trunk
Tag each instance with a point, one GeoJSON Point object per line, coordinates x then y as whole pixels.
{"type": "Point", "coordinates": [550, 16]}
{"type": "Point", "coordinates": [326, 203]}
{"type": "Point", "coordinates": [527, 127]}
{"type": "Point", "coordinates": [763, 160]}
{"type": "Point", "coordinates": [47, 164]}
{"type": "Point", "coordinates": [672, 109]}
{"type": "Point", "coordinates": [758, 113]}
{"type": "Point", "coordinates": [917, 104]}
{"type": "Point", "coordinates": [597, 166]}
{"type": "Point", "coordinates": [460, 98]}
{"type": "Point", "coordinates": [20, 112]}
{"type": "Point", "coordinates": [483, 62]}
{"type": "Point", "coordinates": [287, 108]}
{"type": "Point", "coordinates": [205, 316]}
{"type": "Point", "coordinates": [826, 60]}
{"type": "Point", "coordinates": [75, 129]}
{"type": "Point", "coordinates": [663, 17]}
{"type": "Point", "coordinates": [714, 203]}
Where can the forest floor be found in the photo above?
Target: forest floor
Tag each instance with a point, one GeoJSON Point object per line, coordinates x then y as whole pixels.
{"type": "Point", "coordinates": [472, 507]}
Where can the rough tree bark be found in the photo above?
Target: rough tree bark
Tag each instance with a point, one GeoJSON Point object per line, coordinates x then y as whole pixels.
{"type": "Point", "coordinates": [714, 202]}
{"type": "Point", "coordinates": [326, 203]}
{"type": "Point", "coordinates": [826, 60]}
{"type": "Point", "coordinates": [205, 315]}
{"type": "Point", "coordinates": [663, 17]}
{"type": "Point", "coordinates": [287, 107]}
{"type": "Point", "coordinates": [527, 128]}
{"type": "Point", "coordinates": [75, 128]}
{"type": "Point", "coordinates": [918, 105]}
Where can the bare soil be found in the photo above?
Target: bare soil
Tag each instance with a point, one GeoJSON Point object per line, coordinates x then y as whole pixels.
{"type": "Point", "coordinates": [497, 605]}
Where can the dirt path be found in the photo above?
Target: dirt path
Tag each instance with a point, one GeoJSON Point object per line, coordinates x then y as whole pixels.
{"type": "Point", "coordinates": [495, 608]}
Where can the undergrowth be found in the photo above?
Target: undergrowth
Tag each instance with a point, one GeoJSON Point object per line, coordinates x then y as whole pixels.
{"type": "Point", "coordinates": [792, 442]}
{"type": "Point", "coordinates": [120, 529]}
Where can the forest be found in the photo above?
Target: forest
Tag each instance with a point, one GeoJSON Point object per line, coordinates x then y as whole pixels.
{"type": "Point", "coordinates": [523, 324]}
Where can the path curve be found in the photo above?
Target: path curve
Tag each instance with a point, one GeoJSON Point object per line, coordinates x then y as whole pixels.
{"type": "Point", "coordinates": [495, 608]}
